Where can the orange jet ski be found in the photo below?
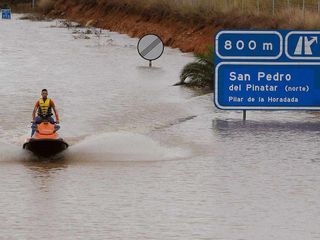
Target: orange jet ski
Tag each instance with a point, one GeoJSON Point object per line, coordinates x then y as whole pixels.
{"type": "Point", "coordinates": [45, 141]}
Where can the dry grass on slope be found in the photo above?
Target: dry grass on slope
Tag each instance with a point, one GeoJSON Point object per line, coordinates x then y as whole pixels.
{"type": "Point", "coordinates": [225, 14]}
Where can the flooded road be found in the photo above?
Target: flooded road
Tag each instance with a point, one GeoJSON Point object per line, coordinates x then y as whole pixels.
{"type": "Point", "coordinates": [148, 160]}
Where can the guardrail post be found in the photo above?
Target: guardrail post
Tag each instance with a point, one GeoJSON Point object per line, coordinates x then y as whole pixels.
{"type": "Point", "coordinates": [273, 5]}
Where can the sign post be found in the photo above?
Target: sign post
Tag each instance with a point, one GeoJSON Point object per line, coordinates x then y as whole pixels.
{"type": "Point", "coordinates": [267, 70]}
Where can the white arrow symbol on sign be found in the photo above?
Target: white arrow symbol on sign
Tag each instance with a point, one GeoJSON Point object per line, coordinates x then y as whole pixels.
{"type": "Point", "coordinates": [307, 45]}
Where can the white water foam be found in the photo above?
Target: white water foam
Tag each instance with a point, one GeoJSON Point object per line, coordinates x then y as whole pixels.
{"type": "Point", "coordinates": [123, 146]}
{"type": "Point", "coordinates": [12, 153]}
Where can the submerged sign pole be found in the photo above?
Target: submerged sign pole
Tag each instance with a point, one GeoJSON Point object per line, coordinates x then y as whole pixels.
{"type": "Point", "coordinates": [267, 70]}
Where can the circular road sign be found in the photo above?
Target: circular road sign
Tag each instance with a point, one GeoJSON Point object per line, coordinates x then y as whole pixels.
{"type": "Point", "coordinates": [150, 47]}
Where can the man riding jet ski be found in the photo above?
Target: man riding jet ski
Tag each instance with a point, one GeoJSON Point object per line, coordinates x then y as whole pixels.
{"type": "Point", "coordinates": [44, 139]}
{"type": "Point", "coordinates": [44, 106]}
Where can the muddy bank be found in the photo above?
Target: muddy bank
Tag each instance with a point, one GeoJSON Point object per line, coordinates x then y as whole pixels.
{"type": "Point", "coordinates": [175, 34]}
{"type": "Point", "coordinates": [189, 32]}
{"type": "Point", "coordinates": [189, 29]}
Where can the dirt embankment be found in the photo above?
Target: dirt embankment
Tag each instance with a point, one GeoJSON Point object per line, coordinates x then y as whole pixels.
{"type": "Point", "coordinates": [177, 34]}
{"type": "Point", "coordinates": [188, 32]}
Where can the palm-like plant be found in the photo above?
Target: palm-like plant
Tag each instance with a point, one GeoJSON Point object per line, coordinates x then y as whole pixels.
{"type": "Point", "coordinates": [200, 72]}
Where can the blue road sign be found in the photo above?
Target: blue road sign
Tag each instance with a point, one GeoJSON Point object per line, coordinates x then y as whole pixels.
{"type": "Point", "coordinates": [6, 13]}
{"type": "Point", "coordinates": [249, 45]}
{"type": "Point", "coordinates": [263, 70]}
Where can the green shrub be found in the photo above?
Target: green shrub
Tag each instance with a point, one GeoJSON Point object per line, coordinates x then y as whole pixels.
{"type": "Point", "coordinates": [199, 73]}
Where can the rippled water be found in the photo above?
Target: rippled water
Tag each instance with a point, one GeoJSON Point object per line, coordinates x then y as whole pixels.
{"type": "Point", "coordinates": [148, 160]}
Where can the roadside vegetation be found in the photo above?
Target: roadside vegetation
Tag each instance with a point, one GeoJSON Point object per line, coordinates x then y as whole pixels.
{"type": "Point", "coordinates": [46, 5]}
{"type": "Point", "coordinates": [283, 14]}
{"type": "Point", "coordinates": [224, 13]}
{"type": "Point", "coordinates": [200, 72]}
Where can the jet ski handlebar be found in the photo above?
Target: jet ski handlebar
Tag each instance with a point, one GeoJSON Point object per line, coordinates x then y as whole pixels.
{"type": "Point", "coordinates": [45, 121]}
